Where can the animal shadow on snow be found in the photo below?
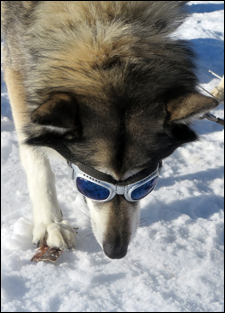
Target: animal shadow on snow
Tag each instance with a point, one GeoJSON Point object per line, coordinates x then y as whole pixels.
{"type": "Point", "coordinates": [201, 206]}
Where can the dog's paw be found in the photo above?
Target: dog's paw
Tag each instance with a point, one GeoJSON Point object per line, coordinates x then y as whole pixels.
{"type": "Point", "coordinates": [58, 235]}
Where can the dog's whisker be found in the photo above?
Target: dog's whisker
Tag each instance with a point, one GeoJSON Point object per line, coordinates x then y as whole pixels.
{"type": "Point", "coordinates": [85, 213]}
{"type": "Point", "coordinates": [142, 222]}
{"type": "Point", "coordinates": [91, 235]}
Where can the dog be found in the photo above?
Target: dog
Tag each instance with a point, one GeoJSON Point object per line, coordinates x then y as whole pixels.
{"type": "Point", "coordinates": [106, 86]}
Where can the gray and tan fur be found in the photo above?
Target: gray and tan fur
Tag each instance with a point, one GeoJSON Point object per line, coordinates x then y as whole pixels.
{"type": "Point", "coordinates": [102, 83]}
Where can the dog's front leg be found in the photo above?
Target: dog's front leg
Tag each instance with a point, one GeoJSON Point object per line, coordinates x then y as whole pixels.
{"type": "Point", "coordinates": [49, 226]}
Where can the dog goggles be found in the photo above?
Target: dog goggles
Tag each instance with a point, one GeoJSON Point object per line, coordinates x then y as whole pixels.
{"type": "Point", "coordinates": [101, 187]}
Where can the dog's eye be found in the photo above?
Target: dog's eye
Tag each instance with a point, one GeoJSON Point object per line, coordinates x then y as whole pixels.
{"type": "Point", "coordinates": [69, 136]}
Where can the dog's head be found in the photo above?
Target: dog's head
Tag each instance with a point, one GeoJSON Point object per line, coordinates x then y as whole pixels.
{"type": "Point", "coordinates": [118, 106]}
{"type": "Point", "coordinates": [128, 131]}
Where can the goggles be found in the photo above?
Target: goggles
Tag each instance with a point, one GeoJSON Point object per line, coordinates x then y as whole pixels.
{"type": "Point", "coordinates": [102, 187]}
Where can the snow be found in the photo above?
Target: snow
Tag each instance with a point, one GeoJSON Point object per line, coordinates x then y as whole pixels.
{"type": "Point", "coordinates": [175, 262]}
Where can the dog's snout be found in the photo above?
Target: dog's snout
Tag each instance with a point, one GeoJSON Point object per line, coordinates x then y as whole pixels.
{"type": "Point", "coordinates": [114, 224]}
{"type": "Point", "coordinates": [114, 250]}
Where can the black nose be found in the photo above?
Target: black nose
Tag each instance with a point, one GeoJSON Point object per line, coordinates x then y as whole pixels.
{"type": "Point", "coordinates": [113, 251]}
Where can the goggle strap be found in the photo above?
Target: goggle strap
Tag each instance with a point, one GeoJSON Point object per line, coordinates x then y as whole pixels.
{"type": "Point", "coordinates": [95, 173]}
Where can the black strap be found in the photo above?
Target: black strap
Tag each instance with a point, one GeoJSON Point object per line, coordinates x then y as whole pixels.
{"type": "Point", "coordinates": [95, 173]}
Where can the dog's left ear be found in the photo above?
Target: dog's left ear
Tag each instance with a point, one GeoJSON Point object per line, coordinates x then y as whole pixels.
{"type": "Point", "coordinates": [184, 108]}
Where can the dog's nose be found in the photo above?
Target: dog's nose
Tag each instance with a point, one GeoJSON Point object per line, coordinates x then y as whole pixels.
{"type": "Point", "coordinates": [114, 251]}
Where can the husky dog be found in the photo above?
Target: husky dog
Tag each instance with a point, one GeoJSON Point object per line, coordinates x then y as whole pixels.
{"type": "Point", "coordinates": [105, 85]}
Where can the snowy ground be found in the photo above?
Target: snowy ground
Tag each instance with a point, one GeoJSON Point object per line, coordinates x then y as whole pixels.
{"type": "Point", "coordinates": [175, 262]}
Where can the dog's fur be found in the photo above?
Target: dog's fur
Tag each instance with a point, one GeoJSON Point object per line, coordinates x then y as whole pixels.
{"type": "Point", "coordinates": [102, 83]}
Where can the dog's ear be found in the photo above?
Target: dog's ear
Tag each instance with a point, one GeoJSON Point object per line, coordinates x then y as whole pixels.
{"type": "Point", "coordinates": [185, 107]}
{"type": "Point", "coordinates": [181, 110]}
{"type": "Point", "coordinates": [60, 110]}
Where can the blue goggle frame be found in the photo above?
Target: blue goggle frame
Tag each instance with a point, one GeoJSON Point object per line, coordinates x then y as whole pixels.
{"type": "Point", "coordinates": [100, 187]}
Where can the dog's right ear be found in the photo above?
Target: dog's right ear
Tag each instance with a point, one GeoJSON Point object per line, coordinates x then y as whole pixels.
{"type": "Point", "coordinates": [183, 109]}
{"type": "Point", "coordinates": [186, 107]}
{"type": "Point", "coordinates": [60, 111]}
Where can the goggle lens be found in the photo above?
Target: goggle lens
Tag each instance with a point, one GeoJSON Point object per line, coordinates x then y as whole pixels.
{"type": "Point", "coordinates": [92, 190]}
{"type": "Point", "coordinates": [144, 189]}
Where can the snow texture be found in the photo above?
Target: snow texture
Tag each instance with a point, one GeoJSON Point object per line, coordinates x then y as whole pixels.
{"type": "Point", "coordinates": [175, 262]}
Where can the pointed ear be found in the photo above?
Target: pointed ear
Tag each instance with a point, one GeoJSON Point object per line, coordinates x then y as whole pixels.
{"type": "Point", "coordinates": [61, 110]}
{"type": "Point", "coordinates": [188, 106]}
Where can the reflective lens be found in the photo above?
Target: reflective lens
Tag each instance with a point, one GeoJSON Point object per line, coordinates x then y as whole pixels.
{"type": "Point", "coordinates": [144, 189]}
{"type": "Point", "coordinates": [92, 190]}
